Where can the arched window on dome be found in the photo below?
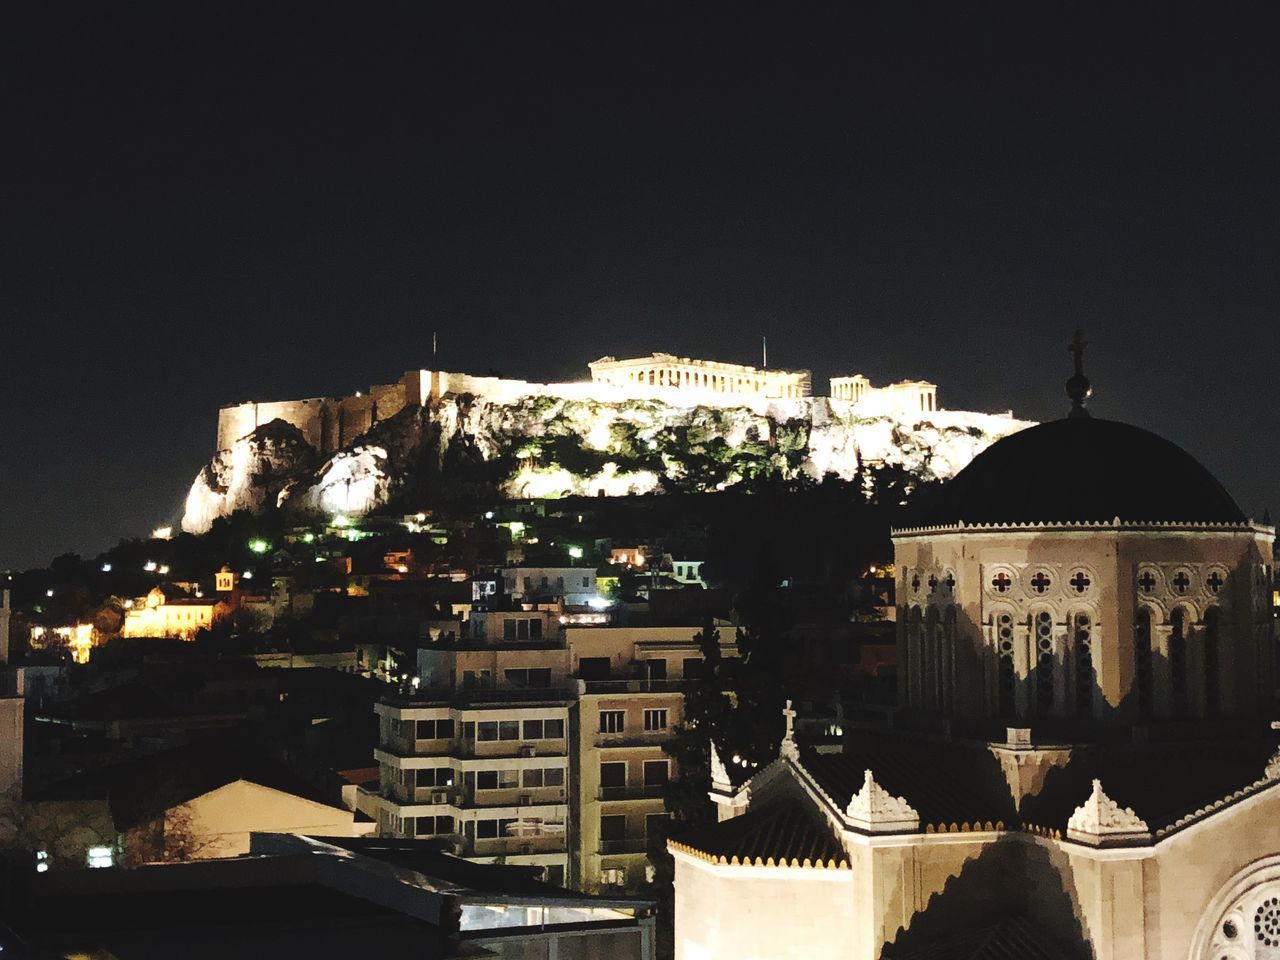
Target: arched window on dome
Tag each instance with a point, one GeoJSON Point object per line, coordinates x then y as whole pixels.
{"type": "Point", "coordinates": [1178, 663]}
{"type": "Point", "coordinates": [1212, 666]}
{"type": "Point", "coordinates": [1042, 638]}
{"type": "Point", "coordinates": [1142, 666]}
{"type": "Point", "coordinates": [1082, 657]}
{"type": "Point", "coordinates": [1006, 670]}
{"type": "Point", "coordinates": [948, 660]}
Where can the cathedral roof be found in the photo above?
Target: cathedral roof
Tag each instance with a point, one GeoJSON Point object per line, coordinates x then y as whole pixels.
{"type": "Point", "coordinates": [787, 832]}
{"type": "Point", "coordinates": [1167, 785]}
{"type": "Point", "coordinates": [1082, 469]}
{"type": "Point", "coordinates": [944, 782]}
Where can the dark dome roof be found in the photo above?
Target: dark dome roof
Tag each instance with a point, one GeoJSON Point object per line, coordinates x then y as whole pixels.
{"type": "Point", "coordinates": [1082, 469]}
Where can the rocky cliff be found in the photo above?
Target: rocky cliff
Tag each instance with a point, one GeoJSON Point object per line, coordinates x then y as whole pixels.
{"type": "Point", "coordinates": [546, 446]}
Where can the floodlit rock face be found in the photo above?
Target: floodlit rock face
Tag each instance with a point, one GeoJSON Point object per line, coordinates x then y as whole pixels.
{"type": "Point", "coordinates": [542, 445]}
{"type": "Point", "coordinates": [248, 476]}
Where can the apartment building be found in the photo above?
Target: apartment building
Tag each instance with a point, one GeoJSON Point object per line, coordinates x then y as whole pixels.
{"type": "Point", "coordinates": [478, 754]}
{"type": "Point", "coordinates": [630, 699]}
{"type": "Point", "coordinates": [545, 751]}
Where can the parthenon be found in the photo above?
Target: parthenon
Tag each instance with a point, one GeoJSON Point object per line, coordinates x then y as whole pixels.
{"type": "Point", "coordinates": [663, 370]}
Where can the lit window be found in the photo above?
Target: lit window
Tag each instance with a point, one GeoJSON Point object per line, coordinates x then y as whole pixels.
{"type": "Point", "coordinates": [42, 861]}
{"type": "Point", "coordinates": [99, 857]}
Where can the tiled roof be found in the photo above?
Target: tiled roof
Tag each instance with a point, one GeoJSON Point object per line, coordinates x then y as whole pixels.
{"type": "Point", "coordinates": [1162, 783]}
{"type": "Point", "coordinates": [945, 782]}
{"type": "Point", "coordinates": [1009, 938]}
{"type": "Point", "coordinates": [785, 833]}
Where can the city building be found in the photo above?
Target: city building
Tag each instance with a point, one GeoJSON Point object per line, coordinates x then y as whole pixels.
{"type": "Point", "coordinates": [1081, 763]}
{"type": "Point", "coordinates": [478, 752]}
{"type": "Point", "coordinates": [166, 612]}
{"type": "Point", "coordinates": [538, 750]}
{"type": "Point", "coordinates": [629, 701]}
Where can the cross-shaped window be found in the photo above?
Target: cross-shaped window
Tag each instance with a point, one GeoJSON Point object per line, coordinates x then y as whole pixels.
{"type": "Point", "coordinates": [1080, 581]}
{"type": "Point", "coordinates": [1147, 581]}
{"type": "Point", "coordinates": [933, 583]}
{"type": "Point", "coordinates": [1181, 581]}
{"type": "Point", "coordinates": [1215, 581]}
{"type": "Point", "coordinates": [1001, 582]}
{"type": "Point", "coordinates": [915, 583]}
{"type": "Point", "coordinates": [1040, 582]}
{"type": "Point", "coordinates": [950, 582]}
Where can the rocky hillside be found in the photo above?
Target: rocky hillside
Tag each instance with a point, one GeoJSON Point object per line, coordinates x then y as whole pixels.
{"type": "Point", "coordinates": [544, 446]}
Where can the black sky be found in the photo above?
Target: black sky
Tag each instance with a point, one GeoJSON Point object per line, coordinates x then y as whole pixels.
{"type": "Point", "coordinates": [204, 203]}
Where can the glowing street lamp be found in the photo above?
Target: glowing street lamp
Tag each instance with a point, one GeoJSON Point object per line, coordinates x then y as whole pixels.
{"type": "Point", "coordinates": [575, 553]}
{"type": "Point", "coordinates": [258, 545]}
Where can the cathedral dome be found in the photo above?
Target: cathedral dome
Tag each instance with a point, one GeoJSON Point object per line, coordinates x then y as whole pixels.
{"type": "Point", "coordinates": [1082, 469]}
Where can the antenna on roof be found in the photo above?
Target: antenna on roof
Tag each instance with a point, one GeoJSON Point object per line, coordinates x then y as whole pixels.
{"type": "Point", "coordinates": [433, 345]}
{"type": "Point", "coordinates": [764, 352]}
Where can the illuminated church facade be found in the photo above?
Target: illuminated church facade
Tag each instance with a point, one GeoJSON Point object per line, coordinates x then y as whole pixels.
{"type": "Point", "coordinates": [1080, 764]}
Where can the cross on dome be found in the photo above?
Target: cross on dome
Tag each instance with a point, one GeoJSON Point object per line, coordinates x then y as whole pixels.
{"type": "Point", "coordinates": [1079, 390]}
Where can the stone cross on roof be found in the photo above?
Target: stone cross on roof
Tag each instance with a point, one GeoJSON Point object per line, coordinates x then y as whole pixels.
{"type": "Point", "coordinates": [788, 747]}
{"type": "Point", "coordinates": [1078, 386]}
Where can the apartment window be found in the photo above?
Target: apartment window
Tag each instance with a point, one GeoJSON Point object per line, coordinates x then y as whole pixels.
{"type": "Point", "coordinates": [531, 778]}
{"type": "Point", "coordinates": [435, 730]}
{"type": "Point", "coordinates": [487, 730]}
{"type": "Point", "coordinates": [508, 729]}
{"type": "Point", "coordinates": [553, 776]}
{"type": "Point", "coordinates": [497, 779]}
{"type": "Point", "coordinates": [655, 825]}
{"type": "Point", "coordinates": [586, 583]}
{"type": "Point", "coordinates": [489, 829]}
{"type": "Point", "coordinates": [544, 729]}
{"type": "Point", "coordinates": [432, 826]}
{"type": "Point", "coordinates": [692, 668]}
{"type": "Point", "coordinates": [527, 629]}
{"type": "Point", "coordinates": [656, 773]}
{"type": "Point", "coordinates": [612, 721]}
{"type": "Point", "coordinates": [532, 678]}
{"type": "Point", "coordinates": [655, 669]}
{"type": "Point", "coordinates": [469, 730]}
{"type": "Point", "coordinates": [613, 774]}
{"type": "Point", "coordinates": [593, 668]}
{"type": "Point", "coordinates": [435, 777]}
{"type": "Point", "coordinates": [655, 719]}
{"type": "Point", "coordinates": [473, 678]}
{"type": "Point", "coordinates": [555, 874]}
{"type": "Point", "coordinates": [99, 857]}
{"type": "Point", "coordinates": [613, 828]}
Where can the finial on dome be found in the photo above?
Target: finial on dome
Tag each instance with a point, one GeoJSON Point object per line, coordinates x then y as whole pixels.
{"type": "Point", "coordinates": [1078, 387]}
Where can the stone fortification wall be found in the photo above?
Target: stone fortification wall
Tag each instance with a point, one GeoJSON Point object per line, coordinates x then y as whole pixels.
{"type": "Point", "coordinates": [327, 423]}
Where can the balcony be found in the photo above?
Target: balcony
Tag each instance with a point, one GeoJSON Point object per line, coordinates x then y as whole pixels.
{"type": "Point", "coordinates": [511, 846]}
{"type": "Point", "coordinates": [631, 685]}
{"type": "Point", "coordinates": [633, 738]}
{"type": "Point", "coordinates": [461, 696]}
{"type": "Point", "coordinates": [628, 845]}
{"type": "Point", "coordinates": [633, 792]}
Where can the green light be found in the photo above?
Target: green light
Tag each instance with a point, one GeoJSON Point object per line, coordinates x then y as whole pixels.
{"type": "Point", "coordinates": [575, 553]}
{"type": "Point", "coordinates": [340, 521]}
{"type": "Point", "coordinates": [258, 545]}
{"type": "Point", "coordinates": [308, 537]}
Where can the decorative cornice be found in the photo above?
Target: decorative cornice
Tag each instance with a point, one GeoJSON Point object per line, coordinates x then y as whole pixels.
{"type": "Point", "coordinates": [875, 810]}
{"type": "Point", "coordinates": [734, 861]}
{"type": "Point", "coordinates": [1068, 525]}
{"type": "Point", "coordinates": [1272, 769]}
{"type": "Point", "coordinates": [1101, 820]}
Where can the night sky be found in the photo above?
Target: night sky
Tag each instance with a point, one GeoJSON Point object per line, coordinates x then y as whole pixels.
{"type": "Point", "coordinates": [209, 203]}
